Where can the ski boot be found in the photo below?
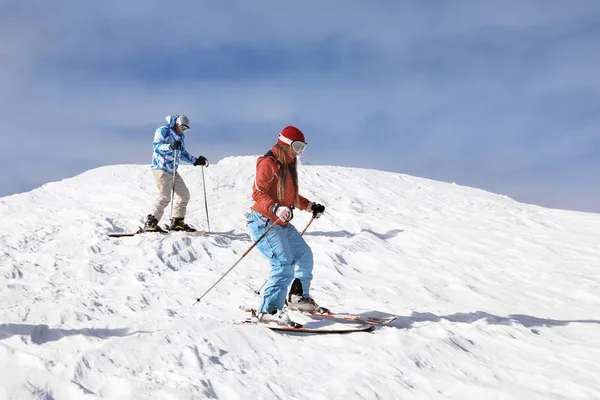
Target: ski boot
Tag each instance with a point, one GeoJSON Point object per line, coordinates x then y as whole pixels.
{"type": "Point", "coordinates": [297, 302]}
{"type": "Point", "coordinates": [177, 224]}
{"type": "Point", "coordinates": [279, 317]}
{"type": "Point", "coordinates": [151, 224]}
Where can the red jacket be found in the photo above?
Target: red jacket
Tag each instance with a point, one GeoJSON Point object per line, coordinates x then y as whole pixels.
{"type": "Point", "coordinates": [264, 190]}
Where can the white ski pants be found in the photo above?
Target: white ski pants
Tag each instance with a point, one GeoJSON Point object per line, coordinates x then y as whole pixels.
{"type": "Point", "coordinates": [164, 184]}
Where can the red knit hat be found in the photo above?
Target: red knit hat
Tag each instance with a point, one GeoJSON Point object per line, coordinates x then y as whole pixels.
{"type": "Point", "coordinates": [291, 133]}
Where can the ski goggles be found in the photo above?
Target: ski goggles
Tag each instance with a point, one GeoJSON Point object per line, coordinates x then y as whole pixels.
{"type": "Point", "coordinates": [184, 128]}
{"type": "Point", "coordinates": [297, 145]}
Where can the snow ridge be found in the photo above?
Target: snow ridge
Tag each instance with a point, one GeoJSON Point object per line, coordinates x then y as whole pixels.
{"type": "Point", "coordinates": [496, 299]}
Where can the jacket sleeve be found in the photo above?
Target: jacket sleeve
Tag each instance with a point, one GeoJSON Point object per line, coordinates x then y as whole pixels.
{"type": "Point", "coordinates": [302, 203]}
{"type": "Point", "coordinates": [162, 144]}
{"type": "Point", "coordinates": [187, 156]}
{"type": "Point", "coordinates": [266, 177]}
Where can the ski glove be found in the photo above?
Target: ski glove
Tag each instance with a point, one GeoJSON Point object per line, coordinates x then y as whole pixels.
{"type": "Point", "coordinates": [283, 212]}
{"type": "Point", "coordinates": [317, 209]}
{"type": "Point", "coordinates": [176, 145]}
{"type": "Point", "coordinates": [201, 161]}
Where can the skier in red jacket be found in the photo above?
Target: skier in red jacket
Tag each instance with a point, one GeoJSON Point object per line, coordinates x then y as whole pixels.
{"type": "Point", "coordinates": [275, 192]}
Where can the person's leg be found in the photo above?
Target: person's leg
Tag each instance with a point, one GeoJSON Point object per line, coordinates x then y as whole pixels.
{"type": "Point", "coordinates": [182, 197]}
{"type": "Point", "coordinates": [276, 248]}
{"type": "Point", "coordinates": [163, 182]}
{"type": "Point", "coordinates": [303, 258]}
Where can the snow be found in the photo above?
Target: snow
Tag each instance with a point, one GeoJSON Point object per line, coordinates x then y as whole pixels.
{"type": "Point", "coordinates": [495, 299]}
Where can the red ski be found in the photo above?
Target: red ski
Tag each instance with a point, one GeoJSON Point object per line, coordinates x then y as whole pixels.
{"type": "Point", "coordinates": [354, 318]}
{"type": "Point", "coordinates": [303, 329]}
{"type": "Point", "coordinates": [342, 317]}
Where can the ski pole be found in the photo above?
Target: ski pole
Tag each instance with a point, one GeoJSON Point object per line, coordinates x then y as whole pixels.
{"type": "Point", "coordinates": [173, 183]}
{"type": "Point", "coordinates": [238, 261]}
{"type": "Point", "coordinates": [307, 225]}
{"type": "Point", "coordinates": [205, 203]}
{"type": "Point", "coordinates": [266, 280]}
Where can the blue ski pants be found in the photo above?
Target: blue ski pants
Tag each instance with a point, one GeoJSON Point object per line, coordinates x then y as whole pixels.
{"type": "Point", "coordinates": [289, 255]}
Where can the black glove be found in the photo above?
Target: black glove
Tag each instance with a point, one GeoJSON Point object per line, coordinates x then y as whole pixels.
{"type": "Point", "coordinates": [317, 209]}
{"type": "Point", "coordinates": [201, 161]}
{"type": "Point", "coordinates": [176, 145]}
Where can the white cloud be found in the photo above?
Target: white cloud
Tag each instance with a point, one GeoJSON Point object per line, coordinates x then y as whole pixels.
{"type": "Point", "coordinates": [474, 112]}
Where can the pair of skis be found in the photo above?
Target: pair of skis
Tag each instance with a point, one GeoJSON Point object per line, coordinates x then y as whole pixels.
{"type": "Point", "coordinates": [365, 324]}
{"type": "Point", "coordinates": [195, 233]}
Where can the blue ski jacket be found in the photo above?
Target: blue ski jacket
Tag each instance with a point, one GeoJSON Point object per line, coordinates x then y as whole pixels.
{"type": "Point", "coordinates": [164, 156]}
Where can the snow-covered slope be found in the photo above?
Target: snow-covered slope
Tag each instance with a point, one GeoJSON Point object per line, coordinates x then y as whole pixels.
{"type": "Point", "coordinates": [496, 299]}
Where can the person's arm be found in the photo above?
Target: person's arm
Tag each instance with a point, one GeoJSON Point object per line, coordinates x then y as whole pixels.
{"type": "Point", "coordinates": [303, 203]}
{"type": "Point", "coordinates": [161, 144]}
{"type": "Point", "coordinates": [266, 176]}
{"type": "Point", "coordinates": [185, 156]}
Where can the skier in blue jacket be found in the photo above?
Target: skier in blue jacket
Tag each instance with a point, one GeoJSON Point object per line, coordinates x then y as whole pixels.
{"type": "Point", "coordinates": [169, 149]}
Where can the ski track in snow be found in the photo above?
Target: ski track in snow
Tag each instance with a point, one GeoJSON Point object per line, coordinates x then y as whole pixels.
{"type": "Point", "coordinates": [496, 299]}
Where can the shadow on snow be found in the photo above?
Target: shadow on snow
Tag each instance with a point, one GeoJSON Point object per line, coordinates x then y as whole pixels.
{"type": "Point", "coordinates": [345, 234]}
{"type": "Point", "coordinates": [527, 321]}
{"type": "Point", "coordinates": [42, 333]}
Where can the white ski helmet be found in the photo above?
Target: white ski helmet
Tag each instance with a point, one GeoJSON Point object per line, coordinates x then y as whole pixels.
{"type": "Point", "coordinates": [183, 120]}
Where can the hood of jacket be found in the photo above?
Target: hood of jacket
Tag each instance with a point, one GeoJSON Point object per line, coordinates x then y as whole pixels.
{"type": "Point", "coordinates": [171, 120]}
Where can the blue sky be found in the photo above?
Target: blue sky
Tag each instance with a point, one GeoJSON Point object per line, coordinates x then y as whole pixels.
{"type": "Point", "coordinates": [503, 96]}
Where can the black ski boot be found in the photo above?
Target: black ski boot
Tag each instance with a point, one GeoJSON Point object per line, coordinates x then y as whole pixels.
{"type": "Point", "coordinates": [151, 224]}
{"type": "Point", "coordinates": [297, 302]}
{"type": "Point", "coordinates": [177, 224]}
